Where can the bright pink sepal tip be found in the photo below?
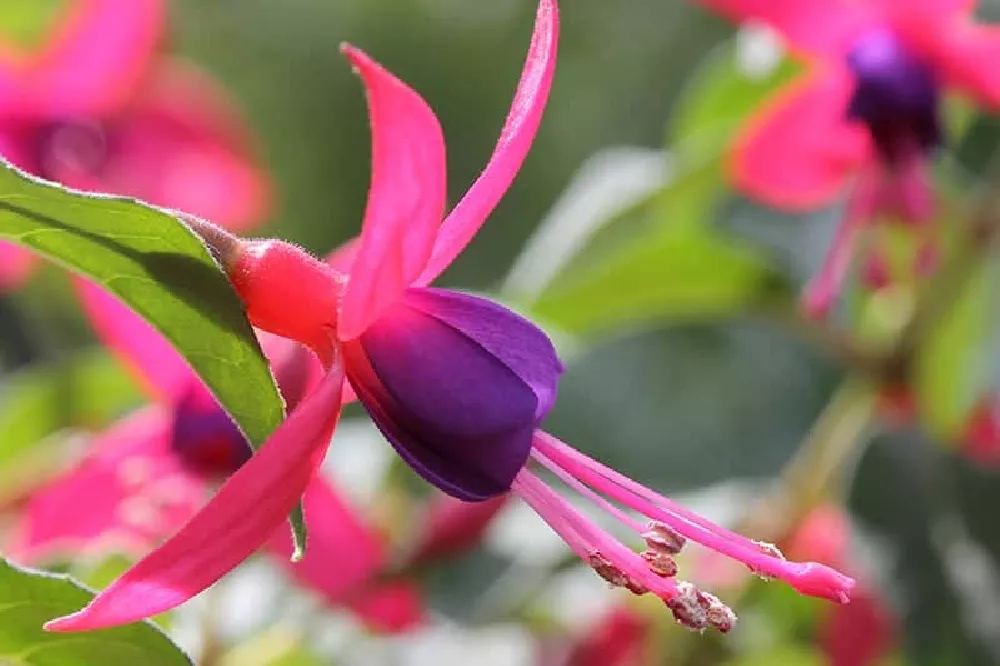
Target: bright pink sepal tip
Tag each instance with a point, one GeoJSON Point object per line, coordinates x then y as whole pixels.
{"type": "Point", "coordinates": [218, 538]}
{"type": "Point", "coordinates": [336, 530]}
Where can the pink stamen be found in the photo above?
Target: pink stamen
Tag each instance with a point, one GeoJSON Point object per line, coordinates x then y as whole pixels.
{"type": "Point", "coordinates": [602, 551]}
{"type": "Point", "coordinates": [808, 578]}
{"type": "Point", "coordinates": [823, 289]}
{"type": "Point", "coordinates": [906, 194]}
{"type": "Point", "coordinates": [584, 490]}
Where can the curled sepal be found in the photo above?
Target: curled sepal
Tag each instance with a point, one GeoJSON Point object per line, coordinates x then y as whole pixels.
{"type": "Point", "coordinates": [247, 510]}
{"type": "Point", "coordinates": [458, 385]}
{"type": "Point", "coordinates": [406, 201]}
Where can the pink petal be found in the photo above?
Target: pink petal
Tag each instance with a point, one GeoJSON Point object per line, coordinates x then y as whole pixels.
{"type": "Point", "coordinates": [13, 76]}
{"type": "Point", "coordinates": [184, 146]}
{"type": "Point", "coordinates": [16, 264]}
{"type": "Point", "coordinates": [797, 152]}
{"type": "Point", "coordinates": [450, 527]}
{"type": "Point", "coordinates": [620, 638]}
{"type": "Point", "coordinates": [927, 9]}
{"type": "Point", "coordinates": [98, 57]}
{"type": "Point", "coordinates": [162, 370]}
{"type": "Point", "coordinates": [861, 633]}
{"type": "Point", "coordinates": [965, 55]}
{"type": "Point", "coordinates": [823, 27]}
{"type": "Point", "coordinates": [128, 493]}
{"type": "Point", "coordinates": [244, 514]}
{"type": "Point", "coordinates": [342, 258]}
{"type": "Point", "coordinates": [392, 607]}
{"type": "Point", "coordinates": [406, 199]}
{"type": "Point", "coordinates": [512, 147]}
{"type": "Point", "coordinates": [336, 534]}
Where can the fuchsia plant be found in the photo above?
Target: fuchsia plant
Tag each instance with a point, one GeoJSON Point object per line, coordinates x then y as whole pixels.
{"type": "Point", "coordinates": [457, 384]}
{"type": "Point", "coordinates": [866, 112]}
{"type": "Point", "coordinates": [98, 109]}
{"type": "Point", "coordinates": [149, 474]}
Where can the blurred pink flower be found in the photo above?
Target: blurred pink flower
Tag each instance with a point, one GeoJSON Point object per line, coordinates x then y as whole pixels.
{"type": "Point", "coordinates": [867, 109]}
{"type": "Point", "coordinates": [863, 632]}
{"type": "Point", "coordinates": [98, 109]}
{"type": "Point", "coordinates": [619, 638]}
{"type": "Point", "coordinates": [148, 474]}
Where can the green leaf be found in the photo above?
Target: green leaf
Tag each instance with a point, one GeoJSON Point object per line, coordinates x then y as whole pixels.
{"type": "Point", "coordinates": [28, 24]}
{"type": "Point", "coordinates": [660, 277]}
{"type": "Point", "coordinates": [162, 270]}
{"type": "Point", "coordinates": [30, 598]}
{"type": "Point", "coordinates": [86, 391]}
{"type": "Point", "coordinates": [722, 94]}
{"type": "Point", "coordinates": [951, 368]}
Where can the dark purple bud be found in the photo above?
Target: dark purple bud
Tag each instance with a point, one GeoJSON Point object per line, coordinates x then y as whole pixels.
{"type": "Point", "coordinates": [205, 438]}
{"type": "Point", "coordinates": [457, 384]}
{"type": "Point", "coordinates": [896, 95]}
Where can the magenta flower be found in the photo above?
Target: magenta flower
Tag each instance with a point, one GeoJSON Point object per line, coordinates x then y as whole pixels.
{"type": "Point", "coordinates": [457, 384]}
{"type": "Point", "coordinates": [98, 109]}
{"type": "Point", "coordinates": [867, 110]}
{"type": "Point", "coordinates": [151, 472]}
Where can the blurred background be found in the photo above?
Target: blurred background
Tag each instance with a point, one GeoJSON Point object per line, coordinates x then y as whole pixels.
{"type": "Point", "coordinates": [671, 298]}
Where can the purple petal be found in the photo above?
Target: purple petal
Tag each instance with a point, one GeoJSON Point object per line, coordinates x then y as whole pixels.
{"type": "Point", "coordinates": [458, 385]}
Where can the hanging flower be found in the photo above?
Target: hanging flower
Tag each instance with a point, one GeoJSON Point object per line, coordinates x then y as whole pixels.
{"type": "Point", "coordinates": [866, 111]}
{"type": "Point", "coordinates": [457, 384]}
{"type": "Point", "coordinates": [98, 109]}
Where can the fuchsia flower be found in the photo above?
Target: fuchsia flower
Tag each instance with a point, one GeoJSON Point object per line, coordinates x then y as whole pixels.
{"type": "Point", "coordinates": [456, 383]}
{"type": "Point", "coordinates": [98, 109]}
{"type": "Point", "coordinates": [150, 473]}
{"type": "Point", "coordinates": [866, 110]}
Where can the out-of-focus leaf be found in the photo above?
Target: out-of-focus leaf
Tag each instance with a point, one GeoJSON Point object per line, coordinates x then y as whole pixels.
{"type": "Point", "coordinates": [789, 655]}
{"type": "Point", "coordinates": [461, 589]}
{"type": "Point", "coordinates": [603, 190]}
{"type": "Point", "coordinates": [156, 265]}
{"type": "Point", "coordinates": [30, 598]}
{"type": "Point", "coordinates": [902, 493]}
{"type": "Point", "coordinates": [725, 90]}
{"type": "Point", "coordinates": [27, 23]}
{"type": "Point", "coordinates": [952, 366]}
{"type": "Point", "coordinates": [660, 277]}
{"type": "Point", "coordinates": [86, 392]}
{"type": "Point", "coordinates": [692, 405]}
